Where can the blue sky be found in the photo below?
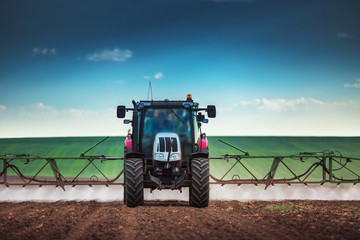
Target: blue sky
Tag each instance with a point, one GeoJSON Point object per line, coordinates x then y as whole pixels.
{"type": "Point", "coordinates": [271, 67]}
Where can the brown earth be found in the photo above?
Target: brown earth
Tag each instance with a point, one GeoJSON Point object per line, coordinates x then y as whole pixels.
{"type": "Point", "coordinates": [176, 220]}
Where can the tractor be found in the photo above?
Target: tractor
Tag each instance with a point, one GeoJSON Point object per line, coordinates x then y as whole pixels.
{"type": "Point", "coordinates": [166, 149]}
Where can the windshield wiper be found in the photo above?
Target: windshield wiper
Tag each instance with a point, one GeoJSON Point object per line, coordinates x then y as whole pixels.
{"type": "Point", "coordinates": [172, 110]}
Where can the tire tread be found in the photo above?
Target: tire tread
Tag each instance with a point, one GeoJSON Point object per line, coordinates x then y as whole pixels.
{"type": "Point", "coordinates": [134, 182]}
{"type": "Point", "coordinates": [199, 190]}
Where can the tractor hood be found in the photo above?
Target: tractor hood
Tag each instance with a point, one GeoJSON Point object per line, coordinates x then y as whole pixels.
{"type": "Point", "coordinates": [166, 143]}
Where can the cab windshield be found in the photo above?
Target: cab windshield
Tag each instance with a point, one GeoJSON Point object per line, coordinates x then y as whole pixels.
{"type": "Point", "coordinates": [174, 120]}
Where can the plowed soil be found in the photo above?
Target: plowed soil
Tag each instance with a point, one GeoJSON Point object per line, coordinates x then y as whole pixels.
{"type": "Point", "coordinates": [176, 220]}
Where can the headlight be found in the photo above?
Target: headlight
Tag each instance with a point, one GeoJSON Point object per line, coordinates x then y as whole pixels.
{"type": "Point", "coordinates": [159, 156]}
{"type": "Point", "coordinates": [175, 156]}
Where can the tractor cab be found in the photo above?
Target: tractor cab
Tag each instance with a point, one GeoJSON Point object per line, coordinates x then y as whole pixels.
{"type": "Point", "coordinates": [171, 121]}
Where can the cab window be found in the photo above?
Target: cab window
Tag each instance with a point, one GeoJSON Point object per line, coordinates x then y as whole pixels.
{"type": "Point", "coordinates": [175, 120]}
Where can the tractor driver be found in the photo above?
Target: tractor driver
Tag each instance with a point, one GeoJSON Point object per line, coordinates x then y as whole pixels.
{"type": "Point", "coordinates": [162, 122]}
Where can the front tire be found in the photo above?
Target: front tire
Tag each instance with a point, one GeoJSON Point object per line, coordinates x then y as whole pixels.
{"type": "Point", "coordinates": [199, 189]}
{"type": "Point", "coordinates": [133, 182]}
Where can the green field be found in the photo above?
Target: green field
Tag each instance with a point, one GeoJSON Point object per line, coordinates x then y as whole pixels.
{"type": "Point", "coordinates": [65, 147]}
{"type": "Point", "coordinates": [74, 146]}
{"type": "Point", "coordinates": [272, 146]}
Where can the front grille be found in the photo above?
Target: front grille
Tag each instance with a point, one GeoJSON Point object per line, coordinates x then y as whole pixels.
{"type": "Point", "coordinates": [162, 144]}
{"type": "Point", "coordinates": [165, 144]}
{"type": "Point", "coordinates": [168, 144]}
{"type": "Point", "coordinates": [174, 145]}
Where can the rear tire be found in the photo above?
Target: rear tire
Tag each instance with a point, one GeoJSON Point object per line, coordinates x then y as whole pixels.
{"type": "Point", "coordinates": [133, 182]}
{"type": "Point", "coordinates": [199, 189]}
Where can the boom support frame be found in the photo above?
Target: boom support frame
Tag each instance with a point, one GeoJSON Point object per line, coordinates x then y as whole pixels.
{"type": "Point", "coordinates": [326, 162]}
{"type": "Point", "coordinates": [334, 169]}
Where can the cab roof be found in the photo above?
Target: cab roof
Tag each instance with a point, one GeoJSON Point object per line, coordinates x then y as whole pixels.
{"type": "Point", "coordinates": [189, 103]}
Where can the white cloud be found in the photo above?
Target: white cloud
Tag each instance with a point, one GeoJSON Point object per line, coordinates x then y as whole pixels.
{"type": "Point", "coordinates": [353, 85]}
{"type": "Point", "coordinates": [41, 106]}
{"type": "Point", "coordinates": [350, 105]}
{"type": "Point", "coordinates": [271, 117]}
{"type": "Point", "coordinates": [286, 117]}
{"type": "Point", "coordinates": [251, 102]}
{"type": "Point", "coordinates": [116, 55]}
{"type": "Point", "coordinates": [343, 35]}
{"type": "Point", "coordinates": [78, 112]}
{"type": "Point", "coordinates": [158, 75]}
{"type": "Point", "coordinates": [37, 111]}
{"type": "Point", "coordinates": [281, 104]}
{"type": "Point", "coordinates": [41, 111]}
{"type": "Point", "coordinates": [41, 120]}
{"type": "Point", "coordinates": [44, 51]}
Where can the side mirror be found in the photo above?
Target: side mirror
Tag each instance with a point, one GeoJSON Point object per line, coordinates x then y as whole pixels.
{"type": "Point", "coordinates": [127, 121]}
{"type": "Point", "coordinates": [121, 111]}
{"type": "Point", "coordinates": [205, 120]}
{"type": "Point", "coordinates": [200, 117]}
{"type": "Point", "coordinates": [211, 111]}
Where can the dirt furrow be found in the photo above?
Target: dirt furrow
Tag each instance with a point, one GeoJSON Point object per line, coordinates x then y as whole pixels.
{"type": "Point", "coordinates": [176, 220]}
